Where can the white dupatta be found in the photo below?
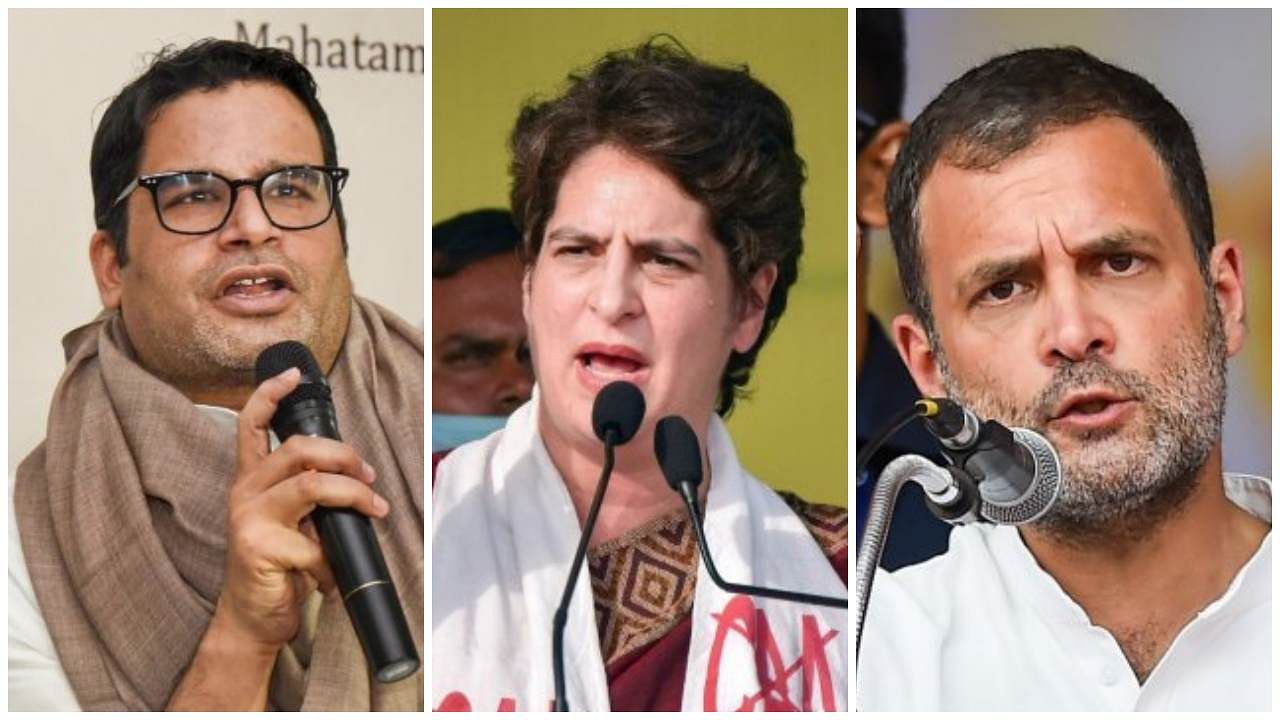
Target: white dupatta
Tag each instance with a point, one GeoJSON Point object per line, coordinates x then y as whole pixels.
{"type": "Point", "coordinates": [503, 534]}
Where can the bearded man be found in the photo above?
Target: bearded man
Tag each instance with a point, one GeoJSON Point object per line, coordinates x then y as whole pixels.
{"type": "Point", "coordinates": [1055, 240]}
{"type": "Point", "coordinates": [165, 558]}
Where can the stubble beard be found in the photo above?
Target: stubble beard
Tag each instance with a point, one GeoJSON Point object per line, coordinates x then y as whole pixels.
{"type": "Point", "coordinates": [1119, 484]}
{"type": "Point", "coordinates": [217, 346]}
{"type": "Point", "coordinates": [214, 353]}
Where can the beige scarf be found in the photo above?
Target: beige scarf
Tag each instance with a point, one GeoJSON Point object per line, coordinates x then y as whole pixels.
{"type": "Point", "coordinates": [123, 510]}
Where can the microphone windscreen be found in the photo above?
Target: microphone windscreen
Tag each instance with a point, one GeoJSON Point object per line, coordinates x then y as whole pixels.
{"type": "Point", "coordinates": [284, 355]}
{"type": "Point", "coordinates": [676, 445]}
{"type": "Point", "coordinates": [1042, 464]}
{"type": "Point", "coordinates": [620, 406]}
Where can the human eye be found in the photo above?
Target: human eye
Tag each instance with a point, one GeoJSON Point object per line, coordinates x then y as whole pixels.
{"type": "Point", "coordinates": [666, 261]}
{"type": "Point", "coordinates": [291, 185]}
{"type": "Point", "coordinates": [469, 357]}
{"type": "Point", "coordinates": [1122, 265]}
{"type": "Point", "coordinates": [193, 196]}
{"type": "Point", "coordinates": [1001, 293]}
{"type": "Point", "coordinates": [663, 260]}
{"type": "Point", "coordinates": [572, 249]}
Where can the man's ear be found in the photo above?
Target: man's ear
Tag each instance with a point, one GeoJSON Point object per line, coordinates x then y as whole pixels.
{"type": "Point", "coordinates": [1226, 272]}
{"type": "Point", "coordinates": [918, 355]}
{"type": "Point", "coordinates": [752, 309]}
{"type": "Point", "coordinates": [874, 164]}
{"type": "Point", "coordinates": [106, 269]}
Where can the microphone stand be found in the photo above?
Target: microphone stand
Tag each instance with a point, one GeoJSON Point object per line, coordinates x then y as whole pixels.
{"type": "Point", "coordinates": [690, 498]}
{"type": "Point", "coordinates": [936, 482]}
{"type": "Point", "coordinates": [562, 612]}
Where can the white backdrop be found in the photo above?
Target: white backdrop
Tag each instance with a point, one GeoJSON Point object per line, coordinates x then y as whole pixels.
{"type": "Point", "coordinates": [66, 65]}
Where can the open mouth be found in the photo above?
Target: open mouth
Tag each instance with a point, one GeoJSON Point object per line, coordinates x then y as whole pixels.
{"type": "Point", "coordinates": [1092, 411]}
{"type": "Point", "coordinates": [261, 290]}
{"type": "Point", "coordinates": [254, 287]}
{"type": "Point", "coordinates": [600, 364]}
{"type": "Point", "coordinates": [603, 364]}
{"type": "Point", "coordinates": [1089, 407]}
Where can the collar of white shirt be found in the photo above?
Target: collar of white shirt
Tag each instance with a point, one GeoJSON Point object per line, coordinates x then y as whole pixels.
{"type": "Point", "coordinates": [983, 627]}
{"type": "Point", "coordinates": [1251, 493]}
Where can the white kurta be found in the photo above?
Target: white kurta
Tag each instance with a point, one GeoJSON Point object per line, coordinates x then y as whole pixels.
{"type": "Point", "coordinates": [983, 627]}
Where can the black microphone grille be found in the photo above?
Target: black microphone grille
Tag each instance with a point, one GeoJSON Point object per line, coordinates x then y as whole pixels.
{"type": "Point", "coordinates": [676, 446]}
{"type": "Point", "coordinates": [619, 406]}
{"type": "Point", "coordinates": [284, 355]}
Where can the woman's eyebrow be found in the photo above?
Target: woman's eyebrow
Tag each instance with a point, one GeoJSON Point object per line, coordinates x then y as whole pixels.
{"type": "Point", "coordinates": [569, 233]}
{"type": "Point", "coordinates": [669, 246]}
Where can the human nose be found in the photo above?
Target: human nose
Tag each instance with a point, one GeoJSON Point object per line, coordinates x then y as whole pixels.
{"type": "Point", "coordinates": [615, 297]}
{"type": "Point", "coordinates": [1074, 327]}
{"type": "Point", "coordinates": [248, 223]}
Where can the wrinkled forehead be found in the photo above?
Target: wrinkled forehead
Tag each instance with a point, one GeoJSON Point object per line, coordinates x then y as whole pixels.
{"type": "Point", "coordinates": [609, 191]}
{"type": "Point", "coordinates": [1072, 186]}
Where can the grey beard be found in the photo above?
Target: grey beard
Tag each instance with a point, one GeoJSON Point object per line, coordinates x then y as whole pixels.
{"type": "Point", "coordinates": [1119, 484]}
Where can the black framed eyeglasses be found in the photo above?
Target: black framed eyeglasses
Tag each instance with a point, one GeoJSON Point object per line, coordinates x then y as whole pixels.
{"type": "Point", "coordinates": [196, 202]}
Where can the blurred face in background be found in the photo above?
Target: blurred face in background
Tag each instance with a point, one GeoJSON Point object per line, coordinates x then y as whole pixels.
{"type": "Point", "coordinates": [479, 353]}
{"type": "Point", "coordinates": [878, 146]}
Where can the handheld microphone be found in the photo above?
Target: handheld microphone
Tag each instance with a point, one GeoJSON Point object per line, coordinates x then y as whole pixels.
{"type": "Point", "coordinates": [346, 535]}
{"type": "Point", "coordinates": [680, 458]}
{"type": "Point", "coordinates": [1017, 471]}
{"type": "Point", "coordinates": [616, 415]}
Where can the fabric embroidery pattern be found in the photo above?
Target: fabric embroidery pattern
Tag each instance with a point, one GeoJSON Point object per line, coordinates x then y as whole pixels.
{"type": "Point", "coordinates": [829, 524]}
{"type": "Point", "coordinates": [643, 583]}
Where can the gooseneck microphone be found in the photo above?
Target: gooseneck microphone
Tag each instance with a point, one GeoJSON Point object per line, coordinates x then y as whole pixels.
{"type": "Point", "coordinates": [615, 417]}
{"type": "Point", "coordinates": [994, 474]}
{"type": "Point", "coordinates": [1016, 470]}
{"type": "Point", "coordinates": [680, 458]}
{"type": "Point", "coordinates": [346, 535]}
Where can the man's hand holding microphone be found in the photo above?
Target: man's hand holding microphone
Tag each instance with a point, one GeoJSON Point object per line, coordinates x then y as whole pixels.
{"type": "Point", "coordinates": [274, 559]}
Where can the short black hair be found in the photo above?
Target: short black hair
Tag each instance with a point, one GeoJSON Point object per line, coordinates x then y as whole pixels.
{"type": "Point", "coordinates": [205, 65]}
{"type": "Point", "coordinates": [1004, 106]}
{"type": "Point", "coordinates": [471, 237]}
{"type": "Point", "coordinates": [882, 63]}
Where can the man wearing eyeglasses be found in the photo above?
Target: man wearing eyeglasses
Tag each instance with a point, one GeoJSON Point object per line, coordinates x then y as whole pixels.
{"type": "Point", "coordinates": [165, 558]}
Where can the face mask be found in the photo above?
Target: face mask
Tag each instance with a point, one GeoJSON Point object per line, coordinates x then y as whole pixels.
{"type": "Point", "coordinates": [450, 431]}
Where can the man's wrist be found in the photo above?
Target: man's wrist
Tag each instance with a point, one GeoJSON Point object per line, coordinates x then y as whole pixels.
{"type": "Point", "coordinates": [229, 638]}
{"type": "Point", "coordinates": [231, 669]}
